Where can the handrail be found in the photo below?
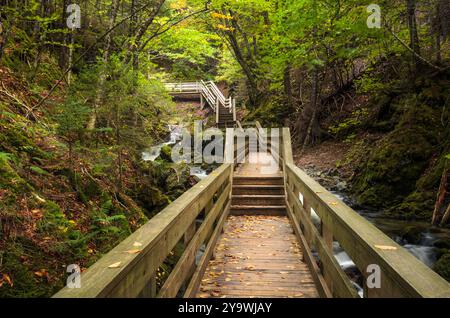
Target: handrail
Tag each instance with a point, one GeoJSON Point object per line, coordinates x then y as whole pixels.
{"type": "Point", "coordinates": [129, 269]}
{"type": "Point", "coordinates": [402, 275]}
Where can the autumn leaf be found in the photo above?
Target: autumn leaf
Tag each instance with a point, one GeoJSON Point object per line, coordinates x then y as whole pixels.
{"type": "Point", "coordinates": [115, 265]}
{"type": "Point", "coordinates": [133, 251]}
{"type": "Point", "coordinates": [41, 273]}
{"type": "Point", "coordinates": [7, 279]}
{"type": "Point", "coordinates": [386, 247]}
{"type": "Point", "coordinates": [137, 244]}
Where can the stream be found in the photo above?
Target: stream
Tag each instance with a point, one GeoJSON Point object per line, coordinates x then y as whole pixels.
{"type": "Point", "coordinates": [174, 137]}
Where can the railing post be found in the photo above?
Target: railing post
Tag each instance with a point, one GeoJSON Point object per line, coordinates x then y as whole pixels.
{"type": "Point", "coordinates": [217, 110]}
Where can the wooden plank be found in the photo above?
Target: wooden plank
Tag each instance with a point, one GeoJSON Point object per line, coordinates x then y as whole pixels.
{"type": "Point", "coordinates": [258, 256]}
{"type": "Point", "coordinates": [187, 259]}
{"type": "Point", "coordinates": [156, 238]}
{"type": "Point", "coordinates": [191, 290]}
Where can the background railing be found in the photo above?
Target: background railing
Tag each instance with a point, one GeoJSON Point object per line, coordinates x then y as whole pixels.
{"type": "Point", "coordinates": [208, 90]}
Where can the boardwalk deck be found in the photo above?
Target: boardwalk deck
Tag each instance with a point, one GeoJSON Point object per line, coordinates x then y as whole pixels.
{"type": "Point", "coordinates": [257, 255]}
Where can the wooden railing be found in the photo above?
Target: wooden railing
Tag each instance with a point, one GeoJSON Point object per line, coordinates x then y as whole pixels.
{"type": "Point", "coordinates": [129, 270]}
{"type": "Point", "coordinates": [207, 90]}
{"type": "Point", "coordinates": [402, 275]}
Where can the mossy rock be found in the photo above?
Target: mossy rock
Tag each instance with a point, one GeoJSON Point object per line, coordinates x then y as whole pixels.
{"type": "Point", "coordinates": [418, 205]}
{"type": "Point", "coordinates": [442, 266]}
{"type": "Point", "coordinates": [398, 160]}
{"type": "Point", "coordinates": [166, 153]}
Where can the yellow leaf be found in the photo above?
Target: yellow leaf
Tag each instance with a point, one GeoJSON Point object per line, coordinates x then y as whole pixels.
{"type": "Point", "coordinates": [115, 265]}
{"type": "Point", "coordinates": [6, 278]}
{"type": "Point", "coordinates": [133, 251]}
{"type": "Point", "coordinates": [386, 247]}
{"type": "Point", "coordinates": [137, 244]}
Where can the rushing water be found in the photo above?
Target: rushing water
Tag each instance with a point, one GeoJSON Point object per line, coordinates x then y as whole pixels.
{"type": "Point", "coordinates": [174, 137]}
{"type": "Point", "coordinates": [154, 152]}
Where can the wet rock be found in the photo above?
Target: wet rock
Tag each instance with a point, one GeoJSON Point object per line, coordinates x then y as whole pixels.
{"type": "Point", "coordinates": [341, 186]}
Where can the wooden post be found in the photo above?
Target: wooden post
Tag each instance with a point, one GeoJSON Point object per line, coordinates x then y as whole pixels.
{"type": "Point", "coordinates": [217, 110]}
{"type": "Point", "coordinates": [149, 290]}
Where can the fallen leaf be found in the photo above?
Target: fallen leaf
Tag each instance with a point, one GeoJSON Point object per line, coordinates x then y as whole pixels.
{"type": "Point", "coordinates": [386, 247]}
{"type": "Point", "coordinates": [41, 273]}
{"type": "Point", "coordinates": [115, 265]}
{"type": "Point", "coordinates": [133, 251]}
{"type": "Point", "coordinates": [6, 278]}
{"type": "Point", "coordinates": [137, 244]}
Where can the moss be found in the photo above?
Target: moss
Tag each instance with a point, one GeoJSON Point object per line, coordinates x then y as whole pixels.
{"type": "Point", "coordinates": [398, 161]}
{"type": "Point", "coordinates": [16, 259]}
{"type": "Point", "coordinates": [9, 179]}
{"type": "Point", "coordinates": [442, 266]}
{"type": "Point", "coordinates": [166, 153]}
{"type": "Point", "coordinates": [418, 205]}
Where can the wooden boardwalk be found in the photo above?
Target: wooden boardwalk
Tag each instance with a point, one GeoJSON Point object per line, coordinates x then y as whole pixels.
{"type": "Point", "coordinates": [256, 240]}
{"type": "Point", "coordinates": [257, 255]}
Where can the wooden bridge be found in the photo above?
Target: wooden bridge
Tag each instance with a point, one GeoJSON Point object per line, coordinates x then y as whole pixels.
{"type": "Point", "coordinates": [208, 92]}
{"type": "Point", "coordinates": [247, 231]}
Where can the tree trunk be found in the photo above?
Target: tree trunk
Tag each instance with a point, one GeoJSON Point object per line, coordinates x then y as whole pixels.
{"type": "Point", "coordinates": [102, 77]}
{"type": "Point", "coordinates": [288, 87]}
{"type": "Point", "coordinates": [311, 132]}
{"type": "Point", "coordinates": [413, 34]}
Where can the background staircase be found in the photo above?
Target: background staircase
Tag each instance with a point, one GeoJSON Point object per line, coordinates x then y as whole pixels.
{"type": "Point", "coordinates": [224, 108]}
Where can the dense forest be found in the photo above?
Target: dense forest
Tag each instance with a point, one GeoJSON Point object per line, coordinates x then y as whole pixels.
{"type": "Point", "coordinates": [82, 95]}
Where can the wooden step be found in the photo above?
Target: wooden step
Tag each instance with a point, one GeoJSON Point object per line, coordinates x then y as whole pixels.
{"type": "Point", "coordinates": [257, 200]}
{"type": "Point", "coordinates": [262, 180]}
{"type": "Point", "coordinates": [258, 189]}
{"type": "Point", "coordinates": [258, 210]}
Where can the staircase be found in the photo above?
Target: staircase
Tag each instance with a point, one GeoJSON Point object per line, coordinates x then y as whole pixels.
{"type": "Point", "coordinates": [255, 193]}
{"type": "Point", "coordinates": [224, 108]}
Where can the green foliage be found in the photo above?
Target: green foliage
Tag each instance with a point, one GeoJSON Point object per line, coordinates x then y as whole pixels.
{"type": "Point", "coordinates": [71, 120]}
{"type": "Point", "coordinates": [442, 266]}
{"type": "Point", "coordinates": [350, 124]}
